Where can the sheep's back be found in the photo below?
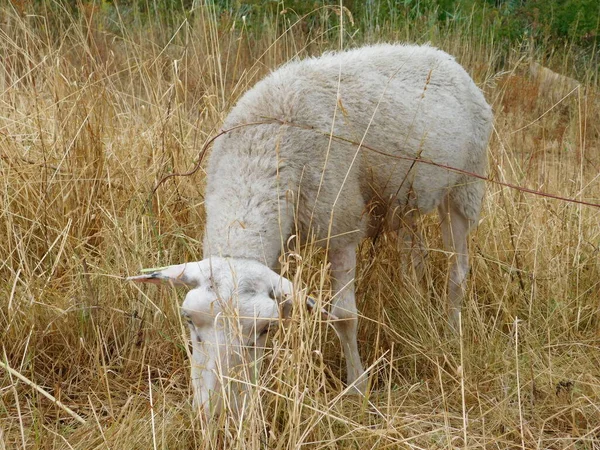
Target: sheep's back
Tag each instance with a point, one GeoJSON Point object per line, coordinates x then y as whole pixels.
{"type": "Point", "coordinates": [401, 102]}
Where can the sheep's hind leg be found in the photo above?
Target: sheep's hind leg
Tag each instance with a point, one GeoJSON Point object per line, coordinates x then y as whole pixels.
{"type": "Point", "coordinates": [455, 229]}
{"type": "Point", "coordinates": [343, 269]}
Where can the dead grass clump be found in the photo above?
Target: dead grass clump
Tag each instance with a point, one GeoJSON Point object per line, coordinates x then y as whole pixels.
{"type": "Point", "coordinates": [94, 112]}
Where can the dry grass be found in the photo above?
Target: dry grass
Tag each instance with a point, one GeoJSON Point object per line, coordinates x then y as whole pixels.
{"type": "Point", "coordinates": [90, 119]}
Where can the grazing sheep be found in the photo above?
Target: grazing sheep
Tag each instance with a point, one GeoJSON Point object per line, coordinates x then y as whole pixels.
{"type": "Point", "coordinates": [298, 171]}
{"type": "Point", "coordinates": [551, 85]}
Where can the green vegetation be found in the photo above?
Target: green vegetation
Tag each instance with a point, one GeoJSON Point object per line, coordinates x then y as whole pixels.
{"type": "Point", "coordinates": [549, 29]}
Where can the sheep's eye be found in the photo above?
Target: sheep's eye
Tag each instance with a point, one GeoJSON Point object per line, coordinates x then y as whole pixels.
{"type": "Point", "coordinates": [194, 332]}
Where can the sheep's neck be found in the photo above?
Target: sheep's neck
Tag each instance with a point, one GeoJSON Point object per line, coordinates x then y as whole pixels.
{"type": "Point", "coordinates": [252, 228]}
{"type": "Point", "coordinates": [248, 202]}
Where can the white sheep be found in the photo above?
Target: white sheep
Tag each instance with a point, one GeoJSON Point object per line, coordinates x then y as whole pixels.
{"type": "Point", "coordinates": [298, 171]}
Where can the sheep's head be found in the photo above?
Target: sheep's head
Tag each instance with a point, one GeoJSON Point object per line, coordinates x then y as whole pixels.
{"type": "Point", "coordinates": [230, 307]}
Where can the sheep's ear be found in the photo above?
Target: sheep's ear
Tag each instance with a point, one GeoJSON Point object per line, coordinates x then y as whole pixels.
{"type": "Point", "coordinates": [282, 293]}
{"type": "Point", "coordinates": [281, 287]}
{"type": "Point", "coordinates": [178, 275]}
{"type": "Point", "coordinates": [311, 304]}
{"type": "Point", "coordinates": [285, 309]}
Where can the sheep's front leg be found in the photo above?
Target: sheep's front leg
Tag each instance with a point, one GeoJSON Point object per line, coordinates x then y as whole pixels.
{"type": "Point", "coordinates": [343, 268]}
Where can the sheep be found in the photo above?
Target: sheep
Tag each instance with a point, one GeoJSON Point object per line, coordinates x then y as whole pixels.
{"type": "Point", "coordinates": [290, 166]}
{"type": "Point", "coordinates": [551, 85]}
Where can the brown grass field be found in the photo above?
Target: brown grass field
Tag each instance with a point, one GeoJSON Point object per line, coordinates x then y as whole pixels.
{"type": "Point", "coordinates": [94, 112]}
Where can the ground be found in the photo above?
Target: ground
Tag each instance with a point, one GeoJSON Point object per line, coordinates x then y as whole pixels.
{"type": "Point", "coordinates": [91, 119]}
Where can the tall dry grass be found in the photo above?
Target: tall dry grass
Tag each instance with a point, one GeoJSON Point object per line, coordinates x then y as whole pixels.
{"type": "Point", "coordinates": [94, 112]}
